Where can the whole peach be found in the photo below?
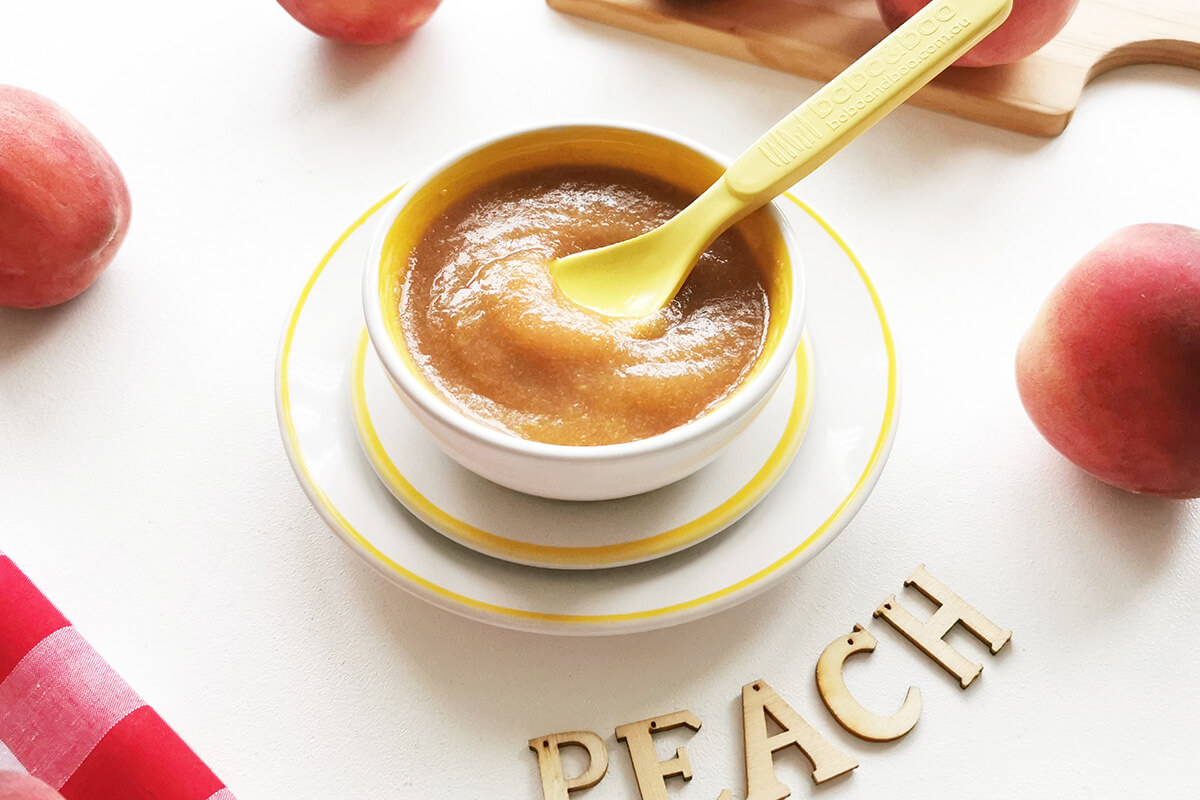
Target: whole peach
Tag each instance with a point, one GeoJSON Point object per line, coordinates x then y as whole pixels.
{"type": "Point", "coordinates": [19, 786]}
{"type": "Point", "coordinates": [361, 21]}
{"type": "Point", "coordinates": [1110, 370]}
{"type": "Point", "coordinates": [64, 206]}
{"type": "Point", "coordinates": [1030, 25]}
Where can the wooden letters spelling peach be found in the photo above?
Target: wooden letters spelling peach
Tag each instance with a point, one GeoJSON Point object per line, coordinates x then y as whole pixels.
{"type": "Point", "coordinates": [760, 702]}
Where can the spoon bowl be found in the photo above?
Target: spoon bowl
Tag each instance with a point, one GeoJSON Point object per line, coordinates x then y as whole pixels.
{"type": "Point", "coordinates": [641, 275]}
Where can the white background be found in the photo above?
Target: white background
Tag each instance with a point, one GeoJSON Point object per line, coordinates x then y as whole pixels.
{"type": "Point", "coordinates": [144, 488]}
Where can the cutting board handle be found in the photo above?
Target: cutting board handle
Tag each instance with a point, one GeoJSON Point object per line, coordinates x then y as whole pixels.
{"type": "Point", "coordinates": [1144, 36]}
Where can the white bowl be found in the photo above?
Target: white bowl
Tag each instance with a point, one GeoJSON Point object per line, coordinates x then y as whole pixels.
{"type": "Point", "coordinates": [567, 472]}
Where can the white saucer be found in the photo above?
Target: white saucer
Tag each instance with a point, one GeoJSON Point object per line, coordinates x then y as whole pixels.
{"type": "Point", "coordinates": [547, 533]}
{"type": "Point", "coordinates": [854, 381]}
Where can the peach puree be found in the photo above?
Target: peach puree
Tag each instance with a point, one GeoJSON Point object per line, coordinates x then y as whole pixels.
{"type": "Point", "coordinates": [489, 330]}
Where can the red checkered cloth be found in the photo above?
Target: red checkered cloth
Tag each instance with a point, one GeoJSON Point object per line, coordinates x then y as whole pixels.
{"type": "Point", "coordinates": [67, 718]}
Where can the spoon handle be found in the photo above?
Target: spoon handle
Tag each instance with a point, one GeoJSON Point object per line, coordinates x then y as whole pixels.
{"type": "Point", "coordinates": [863, 93]}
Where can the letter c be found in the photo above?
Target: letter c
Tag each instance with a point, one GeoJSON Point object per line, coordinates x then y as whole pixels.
{"type": "Point", "coordinates": [849, 712]}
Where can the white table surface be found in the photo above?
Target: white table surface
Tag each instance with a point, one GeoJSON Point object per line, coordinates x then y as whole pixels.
{"type": "Point", "coordinates": [144, 488]}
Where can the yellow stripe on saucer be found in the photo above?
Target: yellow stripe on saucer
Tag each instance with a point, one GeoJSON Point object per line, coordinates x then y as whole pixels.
{"type": "Point", "coordinates": [644, 549]}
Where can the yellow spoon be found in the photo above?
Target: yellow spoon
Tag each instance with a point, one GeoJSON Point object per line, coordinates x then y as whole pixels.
{"type": "Point", "coordinates": [641, 275]}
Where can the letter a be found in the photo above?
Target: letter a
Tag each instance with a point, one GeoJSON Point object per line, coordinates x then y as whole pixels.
{"type": "Point", "coordinates": [758, 701]}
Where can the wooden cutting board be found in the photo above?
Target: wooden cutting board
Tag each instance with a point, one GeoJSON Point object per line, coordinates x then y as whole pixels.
{"type": "Point", "coordinates": [818, 38]}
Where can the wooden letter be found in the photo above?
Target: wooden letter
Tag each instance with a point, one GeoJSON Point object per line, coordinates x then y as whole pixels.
{"type": "Point", "coordinates": [759, 700]}
{"type": "Point", "coordinates": [650, 772]}
{"type": "Point", "coordinates": [554, 785]}
{"type": "Point", "coordinates": [849, 712]}
{"type": "Point", "coordinates": [928, 635]}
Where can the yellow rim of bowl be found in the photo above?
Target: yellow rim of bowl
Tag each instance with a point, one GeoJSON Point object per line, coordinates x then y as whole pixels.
{"type": "Point", "coordinates": [337, 518]}
{"type": "Point", "coordinates": [653, 546]}
{"type": "Point", "coordinates": [647, 152]}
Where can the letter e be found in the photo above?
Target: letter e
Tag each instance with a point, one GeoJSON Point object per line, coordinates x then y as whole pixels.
{"type": "Point", "coordinates": [651, 773]}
